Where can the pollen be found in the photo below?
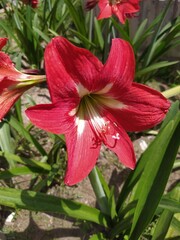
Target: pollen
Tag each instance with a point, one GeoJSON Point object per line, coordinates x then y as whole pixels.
{"type": "Point", "coordinates": [117, 136]}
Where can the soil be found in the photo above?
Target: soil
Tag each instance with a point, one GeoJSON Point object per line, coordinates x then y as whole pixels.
{"type": "Point", "coordinates": [25, 225]}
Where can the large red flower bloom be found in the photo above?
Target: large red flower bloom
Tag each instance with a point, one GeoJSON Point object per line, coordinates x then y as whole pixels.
{"type": "Point", "coordinates": [121, 8]}
{"type": "Point", "coordinates": [13, 83]}
{"type": "Point", "coordinates": [94, 103]}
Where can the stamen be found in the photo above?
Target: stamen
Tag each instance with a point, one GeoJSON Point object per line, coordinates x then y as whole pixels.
{"type": "Point", "coordinates": [116, 136]}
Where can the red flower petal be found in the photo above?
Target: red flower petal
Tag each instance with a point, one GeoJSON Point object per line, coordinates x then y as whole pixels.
{"type": "Point", "coordinates": [122, 10]}
{"type": "Point", "coordinates": [126, 9]}
{"type": "Point", "coordinates": [105, 9]}
{"type": "Point", "coordinates": [120, 66]}
{"type": "Point", "coordinates": [53, 118]}
{"type": "Point", "coordinates": [8, 98]}
{"type": "Point", "coordinates": [116, 139]}
{"type": "Point", "coordinates": [3, 42]}
{"type": "Point", "coordinates": [7, 67]}
{"type": "Point", "coordinates": [5, 83]}
{"type": "Point", "coordinates": [82, 153]}
{"type": "Point", "coordinates": [145, 108]}
{"type": "Point", "coordinates": [67, 65]}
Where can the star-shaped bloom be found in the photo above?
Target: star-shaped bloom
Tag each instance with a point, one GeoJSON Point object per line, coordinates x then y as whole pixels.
{"type": "Point", "coordinates": [94, 104]}
{"type": "Point", "coordinates": [121, 8]}
{"type": "Point", "coordinates": [13, 83]}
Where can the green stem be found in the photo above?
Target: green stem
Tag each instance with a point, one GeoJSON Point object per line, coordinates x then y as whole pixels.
{"type": "Point", "coordinates": [6, 144]}
{"type": "Point", "coordinates": [171, 92]}
{"type": "Point", "coordinates": [99, 191]}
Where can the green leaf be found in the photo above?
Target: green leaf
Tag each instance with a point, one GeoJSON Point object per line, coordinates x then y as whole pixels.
{"type": "Point", "coordinates": [41, 202]}
{"type": "Point", "coordinates": [170, 204]}
{"type": "Point", "coordinates": [42, 34]}
{"type": "Point", "coordinates": [171, 114]}
{"type": "Point", "coordinates": [112, 204]}
{"type": "Point", "coordinates": [76, 17]}
{"type": "Point", "coordinates": [151, 48]}
{"type": "Point", "coordinates": [148, 32]}
{"type": "Point", "coordinates": [98, 236]}
{"type": "Point", "coordinates": [176, 224]}
{"type": "Point", "coordinates": [160, 157]}
{"type": "Point", "coordinates": [22, 160]}
{"type": "Point", "coordinates": [19, 171]}
{"type": "Point", "coordinates": [98, 31]}
{"type": "Point", "coordinates": [139, 31]}
{"type": "Point", "coordinates": [23, 132]}
{"type": "Point", "coordinates": [121, 226]}
{"type": "Point", "coordinates": [121, 30]}
{"type": "Point", "coordinates": [135, 175]}
{"type": "Point", "coordinates": [82, 38]}
{"type": "Point", "coordinates": [153, 67]}
{"type": "Point", "coordinates": [109, 195]}
{"type": "Point", "coordinates": [9, 31]}
{"type": "Point", "coordinates": [162, 225]}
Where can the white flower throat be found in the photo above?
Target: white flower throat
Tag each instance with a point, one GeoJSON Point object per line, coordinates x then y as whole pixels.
{"type": "Point", "coordinates": [90, 109]}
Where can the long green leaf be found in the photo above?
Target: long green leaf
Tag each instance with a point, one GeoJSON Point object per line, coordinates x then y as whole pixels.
{"type": "Point", "coordinates": [166, 217]}
{"type": "Point", "coordinates": [42, 34]}
{"type": "Point", "coordinates": [121, 30]}
{"type": "Point", "coordinates": [151, 48]}
{"type": "Point", "coordinates": [33, 163]}
{"type": "Point", "coordinates": [135, 175]}
{"type": "Point", "coordinates": [98, 31]}
{"type": "Point", "coordinates": [41, 202]}
{"type": "Point", "coordinates": [155, 66]}
{"type": "Point", "coordinates": [76, 17]}
{"type": "Point", "coordinates": [139, 31]}
{"type": "Point", "coordinates": [170, 204]}
{"type": "Point", "coordinates": [171, 114]}
{"type": "Point", "coordinates": [162, 225]}
{"type": "Point", "coordinates": [160, 157]}
{"type": "Point", "coordinates": [19, 171]}
{"type": "Point", "coordinates": [21, 130]}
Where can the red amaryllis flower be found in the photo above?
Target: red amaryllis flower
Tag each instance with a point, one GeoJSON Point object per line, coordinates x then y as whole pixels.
{"type": "Point", "coordinates": [12, 82]}
{"type": "Point", "coordinates": [94, 103]}
{"type": "Point", "coordinates": [32, 3]}
{"type": "Point", "coordinates": [121, 8]}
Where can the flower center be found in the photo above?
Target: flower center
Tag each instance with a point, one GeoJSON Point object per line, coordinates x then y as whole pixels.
{"type": "Point", "coordinates": [114, 2]}
{"type": "Point", "coordinates": [91, 109]}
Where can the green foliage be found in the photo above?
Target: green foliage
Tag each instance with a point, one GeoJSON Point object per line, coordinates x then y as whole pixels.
{"type": "Point", "coordinates": [45, 203]}
{"type": "Point", "coordinates": [142, 204]}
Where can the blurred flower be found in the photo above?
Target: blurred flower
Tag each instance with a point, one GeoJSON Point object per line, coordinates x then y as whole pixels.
{"type": "Point", "coordinates": [94, 103]}
{"type": "Point", "coordinates": [32, 3]}
{"type": "Point", "coordinates": [91, 4]}
{"type": "Point", "coordinates": [13, 83]}
{"type": "Point", "coordinates": [121, 8]}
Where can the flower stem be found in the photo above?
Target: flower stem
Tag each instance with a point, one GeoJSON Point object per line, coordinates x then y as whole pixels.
{"type": "Point", "coordinates": [171, 92]}
{"type": "Point", "coordinates": [99, 191]}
